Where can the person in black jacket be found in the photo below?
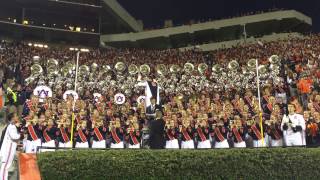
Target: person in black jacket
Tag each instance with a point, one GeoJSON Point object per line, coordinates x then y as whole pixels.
{"type": "Point", "coordinates": [156, 132]}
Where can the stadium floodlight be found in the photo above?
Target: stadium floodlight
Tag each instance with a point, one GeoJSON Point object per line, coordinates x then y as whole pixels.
{"type": "Point", "coordinates": [71, 49]}
{"type": "Point", "coordinates": [84, 50]}
{"type": "Point", "coordinates": [45, 46]}
{"type": "Point", "coordinates": [29, 44]}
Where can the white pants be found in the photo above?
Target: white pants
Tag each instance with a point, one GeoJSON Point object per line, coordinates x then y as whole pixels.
{"type": "Point", "coordinates": [82, 145]}
{"type": "Point", "coordinates": [31, 146]}
{"type": "Point", "coordinates": [99, 144]}
{"type": "Point", "coordinates": [137, 146]}
{"type": "Point", "coordinates": [222, 144]}
{"type": "Point", "coordinates": [276, 143]}
{"type": "Point", "coordinates": [294, 139]}
{"type": "Point", "coordinates": [65, 145]}
{"type": "Point", "coordinates": [259, 143]}
{"type": "Point", "coordinates": [48, 144]}
{"type": "Point", "coordinates": [240, 145]}
{"type": "Point", "coordinates": [6, 160]}
{"type": "Point", "coordinates": [187, 144]}
{"type": "Point", "coordinates": [172, 144]}
{"type": "Point", "coordinates": [117, 146]}
{"type": "Point", "coordinates": [204, 144]}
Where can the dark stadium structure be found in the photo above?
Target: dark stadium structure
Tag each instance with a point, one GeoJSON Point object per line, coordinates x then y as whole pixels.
{"type": "Point", "coordinates": [70, 21]}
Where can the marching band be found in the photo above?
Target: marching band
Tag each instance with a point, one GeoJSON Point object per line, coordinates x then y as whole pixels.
{"type": "Point", "coordinates": [196, 123]}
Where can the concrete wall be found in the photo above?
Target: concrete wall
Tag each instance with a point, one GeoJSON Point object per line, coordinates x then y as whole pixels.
{"type": "Point", "coordinates": [251, 40]}
{"type": "Point", "coordinates": [166, 32]}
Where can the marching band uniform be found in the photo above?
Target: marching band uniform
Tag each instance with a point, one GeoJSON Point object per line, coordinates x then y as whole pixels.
{"type": "Point", "coordinates": [248, 101]}
{"type": "Point", "coordinates": [266, 106]}
{"type": "Point", "coordinates": [63, 135]}
{"type": "Point", "coordinates": [117, 135]}
{"type": "Point", "coordinates": [49, 136]}
{"type": "Point", "coordinates": [276, 135]}
{"type": "Point", "coordinates": [238, 136]}
{"type": "Point", "coordinates": [134, 139]}
{"type": "Point", "coordinates": [34, 136]}
{"type": "Point", "coordinates": [8, 149]}
{"type": "Point", "coordinates": [171, 137]}
{"type": "Point", "coordinates": [82, 137]}
{"type": "Point", "coordinates": [255, 133]}
{"type": "Point", "coordinates": [203, 138]}
{"type": "Point", "coordinates": [294, 128]}
{"type": "Point", "coordinates": [220, 134]}
{"type": "Point", "coordinates": [187, 135]}
{"type": "Point", "coordinates": [99, 137]}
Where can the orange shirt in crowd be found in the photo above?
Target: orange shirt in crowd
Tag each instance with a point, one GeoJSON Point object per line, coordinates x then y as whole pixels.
{"type": "Point", "coordinates": [304, 85]}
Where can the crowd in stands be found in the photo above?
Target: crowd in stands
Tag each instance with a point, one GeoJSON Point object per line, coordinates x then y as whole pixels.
{"type": "Point", "coordinates": [213, 108]}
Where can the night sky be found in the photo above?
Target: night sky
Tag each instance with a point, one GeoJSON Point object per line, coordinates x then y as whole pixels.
{"type": "Point", "coordinates": [154, 12]}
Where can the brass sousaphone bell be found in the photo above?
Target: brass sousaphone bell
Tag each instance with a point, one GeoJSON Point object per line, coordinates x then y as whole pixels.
{"type": "Point", "coordinates": [120, 67]}
{"type": "Point", "coordinates": [202, 68]}
{"type": "Point", "coordinates": [52, 67]}
{"type": "Point", "coordinates": [36, 70]}
{"type": "Point", "coordinates": [188, 68]}
{"type": "Point", "coordinates": [133, 69]}
{"type": "Point", "coordinates": [274, 59]}
{"type": "Point", "coordinates": [233, 65]}
{"type": "Point", "coordinates": [94, 67]}
{"type": "Point", "coordinates": [262, 69]}
{"type": "Point", "coordinates": [161, 69]}
{"type": "Point", "coordinates": [251, 64]}
{"type": "Point", "coordinates": [145, 69]}
{"type": "Point", "coordinates": [84, 70]}
{"type": "Point", "coordinates": [216, 68]}
{"type": "Point", "coordinates": [175, 69]}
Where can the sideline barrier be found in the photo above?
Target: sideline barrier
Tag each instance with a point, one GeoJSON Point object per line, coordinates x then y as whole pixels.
{"type": "Point", "coordinates": [28, 167]}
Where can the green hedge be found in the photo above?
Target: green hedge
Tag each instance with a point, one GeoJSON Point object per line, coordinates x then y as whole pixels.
{"type": "Point", "coordinates": [282, 163]}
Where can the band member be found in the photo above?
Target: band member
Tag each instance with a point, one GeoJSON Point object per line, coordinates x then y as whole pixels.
{"type": "Point", "coordinates": [220, 134]}
{"type": "Point", "coordinates": [316, 103]}
{"type": "Point", "coordinates": [293, 127]}
{"type": "Point", "coordinates": [151, 90]}
{"type": "Point", "coordinates": [64, 133]}
{"type": "Point", "coordinates": [117, 134]}
{"type": "Point", "coordinates": [134, 135]}
{"type": "Point", "coordinates": [249, 101]}
{"type": "Point", "coordinates": [203, 133]}
{"type": "Point", "coordinates": [187, 134]}
{"type": "Point", "coordinates": [30, 105]}
{"type": "Point", "coordinates": [82, 135]}
{"type": "Point", "coordinates": [255, 132]}
{"type": "Point", "coordinates": [98, 133]}
{"type": "Point", "coordinates": [171, 135]}
{"type": "Point", "coordinates": [9, 145]}
{"type": "Point", "coordinates": [49, 136]}
{"type": "Point", "coordinates": [238, 132]}
{"type": "Point", "coordinates": [274, 131]}
{"type": "Point", "coordinates": [34, 135]}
